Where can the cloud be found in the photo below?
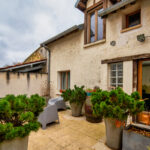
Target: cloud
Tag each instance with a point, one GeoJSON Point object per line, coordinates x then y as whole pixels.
{"type": "Point", "coordinates": [26, 24]}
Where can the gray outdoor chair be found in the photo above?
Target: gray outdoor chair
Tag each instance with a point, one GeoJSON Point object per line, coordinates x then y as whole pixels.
{"type": "Point", "coordinates": [49, 115]}
{"type": "Point", "coordinates": [59, 102]}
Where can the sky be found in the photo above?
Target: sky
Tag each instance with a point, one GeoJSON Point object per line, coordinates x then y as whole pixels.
{"type": "Point", "coordinates": [24, 24]}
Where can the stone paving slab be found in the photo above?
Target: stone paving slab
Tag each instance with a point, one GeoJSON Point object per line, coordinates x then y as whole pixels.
{"type": "Point", "coordinates": [72, 133]}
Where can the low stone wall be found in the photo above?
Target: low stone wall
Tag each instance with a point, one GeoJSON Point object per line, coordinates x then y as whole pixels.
{"type": "Point", "coordinates": [23, 83]}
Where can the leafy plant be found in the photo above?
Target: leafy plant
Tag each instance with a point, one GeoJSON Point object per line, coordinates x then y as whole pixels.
{"type": "Point", "coordinates": [18, 115]}
{"type": "Point", "coordinates": [116, 104]}
{"type": "Point", "coordinates": [76, 95]}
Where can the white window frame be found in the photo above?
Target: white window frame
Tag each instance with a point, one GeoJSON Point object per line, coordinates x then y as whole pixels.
{"type": "Point", "coordinates": [117, 84]}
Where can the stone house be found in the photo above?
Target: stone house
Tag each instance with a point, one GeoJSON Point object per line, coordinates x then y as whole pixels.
{"type": "Point", "coordinates": [111, 49]}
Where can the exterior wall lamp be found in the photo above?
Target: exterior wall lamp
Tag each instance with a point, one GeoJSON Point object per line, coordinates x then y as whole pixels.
{"type": "Point", "coordinates": [141, 37]}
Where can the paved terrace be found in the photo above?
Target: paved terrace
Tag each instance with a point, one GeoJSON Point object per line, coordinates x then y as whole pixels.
{"type": "Point", "coordinates": [71, 134]}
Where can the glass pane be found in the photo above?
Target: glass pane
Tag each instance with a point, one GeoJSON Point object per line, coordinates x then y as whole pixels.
{"type": "Point", "coordinates": [146, 84]}
{"type": "Point", "coordinates": [100, 26]}
{"type": "Point", "coordinates": [120, 73]}
{"type": "Point", "coordinates": [113, 85]}
{"type": "Point", "coordinates": [113, 80]}
{"type": "Point", "coordinates": [113, 66]}
{"type": "Point", "coordinates": [120, 66]}
{"type": "Point", "coordinates": [63, 84]}
{"type": "Point", "coordinates": [92, 29]}
{"type": "Point", "coordinates": [134, 19]}
{"type": "Point", "coordinates": [120, 80]}
{"type": "Point", "coordinates": [68, 80]}
{"type": "Point", "coordinates": [113, 73]}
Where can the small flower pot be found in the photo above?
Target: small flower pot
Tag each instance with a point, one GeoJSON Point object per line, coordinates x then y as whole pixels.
{"type": "Point", "coordinates": [15, 144]}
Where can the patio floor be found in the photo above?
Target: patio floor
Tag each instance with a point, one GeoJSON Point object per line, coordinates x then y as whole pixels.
{"type": "Point", "coordinates": [70, 134]}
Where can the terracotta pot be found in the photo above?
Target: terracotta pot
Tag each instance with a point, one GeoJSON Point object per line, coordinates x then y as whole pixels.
{"type": "Point", "coordinates": [113, 134]}
{"type": "Point", "coordinates": [144, 117]}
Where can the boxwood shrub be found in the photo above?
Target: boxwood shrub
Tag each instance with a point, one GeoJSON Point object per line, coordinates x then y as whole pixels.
{"type": "Point", "coordinates": [18, 115]}
{"type": "Point", "coordinates": [116, 104]}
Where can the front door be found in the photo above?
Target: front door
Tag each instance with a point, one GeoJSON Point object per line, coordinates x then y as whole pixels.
{"type": "Point", "coordinates": [144, 89]}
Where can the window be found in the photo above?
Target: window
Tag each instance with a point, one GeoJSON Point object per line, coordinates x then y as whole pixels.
{"type": "Point", "coordinates": [133, 19]}
{"type": "Point", "coordinates": [95, 25]}
{"type": "Point", "coordinates": [116, 75]}
{"type": "Point", "coordinates": [115, 1]}
{"type": "Point", "coordinates": [64, 80]}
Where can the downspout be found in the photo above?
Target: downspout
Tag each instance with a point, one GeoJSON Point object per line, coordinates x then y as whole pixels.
{"type": "Point", "coordinates": [49, 67]}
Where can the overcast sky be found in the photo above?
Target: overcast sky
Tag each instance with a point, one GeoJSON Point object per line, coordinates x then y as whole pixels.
{"type": "Point", "coordinates": [24, 24]}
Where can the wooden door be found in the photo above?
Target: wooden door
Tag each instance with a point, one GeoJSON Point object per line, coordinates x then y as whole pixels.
{"type": "Point", "coordinates": [144, 89]}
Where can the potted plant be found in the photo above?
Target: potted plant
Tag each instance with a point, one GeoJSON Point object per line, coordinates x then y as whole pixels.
{"type": "Point", "coordinates": [90, 116]}
{"type": "Point", "coordinates": [18, 117]}
{"type": "Point", "coordinates": [76, 98]}
{"type": "Point", "coordinates": [116, 106]}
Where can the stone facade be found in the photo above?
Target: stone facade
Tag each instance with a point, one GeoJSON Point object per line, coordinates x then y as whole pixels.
{"type": "Point", "coordinates": [84, 61]}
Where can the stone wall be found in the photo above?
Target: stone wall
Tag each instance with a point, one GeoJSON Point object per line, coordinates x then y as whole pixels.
{"type": "Point", "coordinates": [84, 61]}
{"type": "Point", "coordinates": [23, 83]}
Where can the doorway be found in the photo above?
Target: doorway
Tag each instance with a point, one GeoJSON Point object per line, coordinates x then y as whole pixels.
{"type": "Point", "coordinates": [144, 89]}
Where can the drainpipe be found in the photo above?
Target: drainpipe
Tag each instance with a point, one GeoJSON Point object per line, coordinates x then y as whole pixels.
{"type": "Point", "coordinates": [49, 59]}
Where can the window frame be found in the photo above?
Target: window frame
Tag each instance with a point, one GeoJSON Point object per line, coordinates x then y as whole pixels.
{"type": "Point", "coordinates": [87, 22]}
{"type": "Point", "coordinates": [117, 84]}
{"type": "Point", "coordinates": [61, 78]}
{"type": "Point", "coordinates": [133, 13]}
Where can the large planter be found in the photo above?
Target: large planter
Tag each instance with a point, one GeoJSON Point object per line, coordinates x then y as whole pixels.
{"type": "Point", "coordinates": [89, 115]}
{"type": "Point", "coordinates": [76, 109]}
{"type": "Point", "coordinates": [16, 144]}
{"type": "Point", "coordinates": [135, 141]}
{"type": "Point", "coordinates": [89, 111]}
{"type": "Point", "coordinates": [113, 134]}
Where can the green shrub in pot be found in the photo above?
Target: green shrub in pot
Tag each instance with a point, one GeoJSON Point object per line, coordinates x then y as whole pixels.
{"type": "Point", "coordinates": [18, 116]}
{"type": "Point", "coordinates": [116, 106]}
{"type": "Point", "coordinates": [76, 98]}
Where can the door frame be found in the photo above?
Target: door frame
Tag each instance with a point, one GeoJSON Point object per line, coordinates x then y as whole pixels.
{"type": "Point", "coordinates": [140, 77]}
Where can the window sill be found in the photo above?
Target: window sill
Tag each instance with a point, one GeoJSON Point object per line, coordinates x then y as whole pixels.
{"type": "Point", "coordinates": [94, 43]}
{"type": "Point", "coordinates": [58, 93]}
{"type": "Point", "coordinates": [131, 28]}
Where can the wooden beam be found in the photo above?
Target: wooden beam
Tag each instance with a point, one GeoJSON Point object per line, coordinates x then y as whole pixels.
{"type": "Point", "coordinates": [94, 6]}
{"type": "Point", "coordinates": [135, 75]}
{"type": "Point", "coordinates": [82, 5]}
{"type": "Point", "coordinates": [96, 25]}
{"type": "Point", "coordinates": [116, 7]}
{"type": "Point", "coordinates": [140, 77]}
{"type": "Point", "coordinates": [126, 58]}
{"type": "Point", "coordinates": [85, 27]}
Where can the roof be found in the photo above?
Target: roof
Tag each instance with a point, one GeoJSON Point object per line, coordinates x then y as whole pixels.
{"type": "Point", "coordinates": [22, 65]}
{"type": "Point", "coordinates": [64, 33]}
{"type": "Point", "coordinates": [81, 4]}
{"type": "Point", "coordinates": [32, 54]}
{"type": "Point", "coordinates": [115, 7]}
